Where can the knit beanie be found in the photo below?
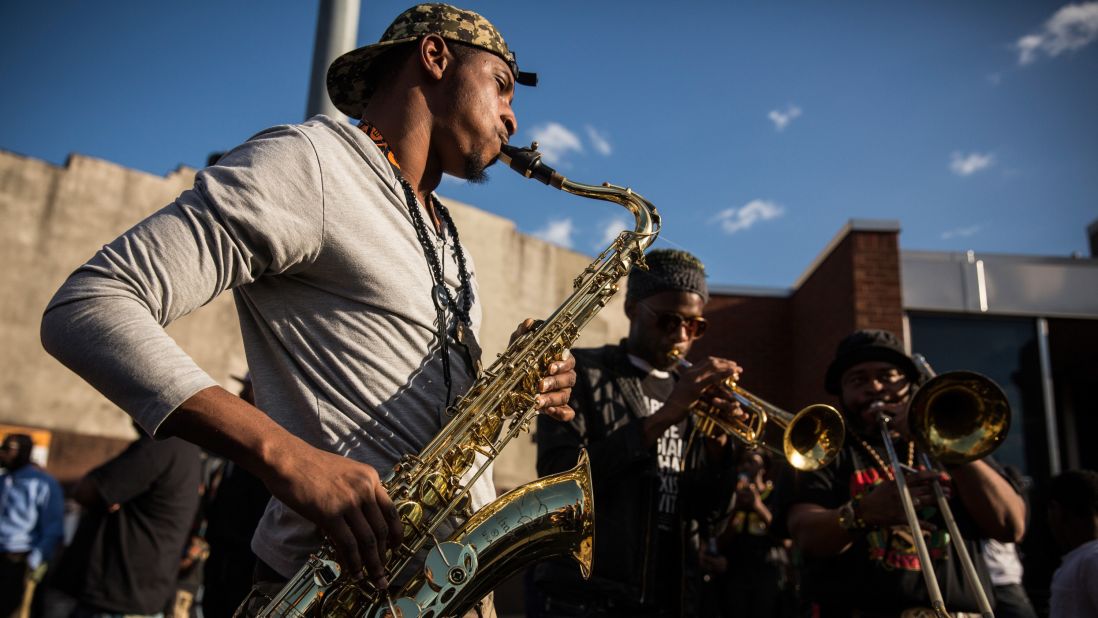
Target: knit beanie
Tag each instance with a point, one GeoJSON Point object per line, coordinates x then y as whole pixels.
{"type": "Point", "coordinates": [868, 345]}
{"type": "Point", "coordinates": [668, 270]}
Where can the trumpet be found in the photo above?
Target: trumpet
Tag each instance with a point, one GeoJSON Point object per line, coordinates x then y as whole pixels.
{"type": "Point", "coordinates": [958, 417]}
{"type": "Point", "coordinates": [808, 440]}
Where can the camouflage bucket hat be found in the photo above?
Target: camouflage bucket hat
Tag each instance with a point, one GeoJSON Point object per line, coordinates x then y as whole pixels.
{"type": "Point", "coordinates": [347, 85]}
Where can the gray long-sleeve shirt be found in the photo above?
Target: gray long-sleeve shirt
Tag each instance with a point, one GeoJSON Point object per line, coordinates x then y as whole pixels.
{"type": "Point", "coordinates": [308, 225]}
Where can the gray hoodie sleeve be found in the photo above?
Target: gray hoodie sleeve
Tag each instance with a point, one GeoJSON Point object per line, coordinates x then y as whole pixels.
{"type": "Point", "coordinates": [258, 211]}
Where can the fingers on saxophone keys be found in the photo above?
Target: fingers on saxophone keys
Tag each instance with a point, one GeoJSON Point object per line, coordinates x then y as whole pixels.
{"type": "Point", "coordinates": [346, 549]}
{"type": "Point", "coordinates": [365, 549]}
{"type": "Point", "coordinates": [557, 383]}
{"type": "Point", "coordinates": [563, 366]}
{"type": "Point", "coordinates": [560, 413]}
{"type": "Point", "coordinates": [392, 519]}
{"type": "Point", "coordinates": [553, 399]}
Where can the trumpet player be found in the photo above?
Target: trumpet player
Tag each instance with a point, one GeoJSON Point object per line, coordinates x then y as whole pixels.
{"type": "Point", "coordinates": [631, 402]}
{"type": "Point", "coordinates": [848, 519]}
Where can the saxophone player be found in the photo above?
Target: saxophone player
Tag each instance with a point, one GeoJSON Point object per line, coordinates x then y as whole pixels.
{"type": "Point", "coordinates": [358, 303]}
{"type": "Point", "coordinates": [847, 518]}
{"type": "Point", "coordinates": [631, 402]}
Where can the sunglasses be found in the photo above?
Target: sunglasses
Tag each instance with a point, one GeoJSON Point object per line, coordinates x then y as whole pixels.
{"type": "Point", "coordinates": [671, 322]}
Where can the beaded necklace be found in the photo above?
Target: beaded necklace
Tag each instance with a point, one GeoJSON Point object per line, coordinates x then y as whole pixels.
{"type": "Point", "coordinates": [442, 297]}
{"type": "Point", "coordinates": [880, 460]}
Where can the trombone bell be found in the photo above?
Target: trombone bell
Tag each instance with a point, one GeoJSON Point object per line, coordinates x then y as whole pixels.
{"type": "Point", "coordinates": [959, 416]}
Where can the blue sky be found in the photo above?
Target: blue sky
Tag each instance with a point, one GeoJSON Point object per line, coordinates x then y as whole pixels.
{"type": "Point", "coordinates": [758, 129]}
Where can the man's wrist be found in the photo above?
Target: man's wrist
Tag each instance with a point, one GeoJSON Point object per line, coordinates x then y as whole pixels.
{"type": "Point", "coordinates": [850, 517]}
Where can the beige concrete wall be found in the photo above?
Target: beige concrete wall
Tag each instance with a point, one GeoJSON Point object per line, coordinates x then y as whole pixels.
{"type": "Point", "coordinates": [55, 218]}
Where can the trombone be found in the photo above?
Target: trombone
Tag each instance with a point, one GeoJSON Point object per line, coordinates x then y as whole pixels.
{"type": "Point", "coordinates": [808, 440]}
{"type": "Point", "coordinates": [958, 417]}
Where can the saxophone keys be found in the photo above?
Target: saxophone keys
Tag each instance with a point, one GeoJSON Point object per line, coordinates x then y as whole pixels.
{"type": "Point", "coordinates": [342, 602]}
{"type": "Point", "coordinates": [449, 567]}
{"type": "Point", "coordinates": [410, 513]}
{"type": "Point", "coordinates": [488, 429]}
{"type": "Point", "coordinates": [403, 607]}
{"type": "Point", "coordinates": [433, 490]}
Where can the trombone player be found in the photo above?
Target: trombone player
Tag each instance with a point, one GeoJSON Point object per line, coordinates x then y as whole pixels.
{"type": "Point", "coordinates": [847, 518]}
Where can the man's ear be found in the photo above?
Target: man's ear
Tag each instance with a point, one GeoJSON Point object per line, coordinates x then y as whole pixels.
{"type": "Point", "coordinates": [434, 56]}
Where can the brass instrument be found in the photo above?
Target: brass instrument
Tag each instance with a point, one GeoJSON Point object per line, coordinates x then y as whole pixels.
{"type": "Point", "coordinates": [957, 417]}
{"type": "Point", "coordinates": [552, 516]}
{"type": "Point", "coordinates": [808, 440]}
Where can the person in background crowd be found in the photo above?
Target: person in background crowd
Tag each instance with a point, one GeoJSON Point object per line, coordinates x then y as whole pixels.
{"type": "Point", "coordinates": [1004, 568]}
{"type": "Point", "coordinates": [234, 506]}
{"type": "Point", "coordinates": [138, 511]}
{"type": "Point", "coordinates": [1073, 517]}
{"type": "Point", "coordinates": [758, 579]}
{"type": "Point", "coordinates": [632, 403]}
{"type": "Point", "coordinates": [31, 511]}
{"type": "Point", "coordinates": [196, 550]}
{"type": "Point", "coordinates": [847, 517]}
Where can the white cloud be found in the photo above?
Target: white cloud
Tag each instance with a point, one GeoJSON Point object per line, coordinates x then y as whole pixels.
{"type": "Point", "coordinates": [967, 165]}
{"type": "Point", "coordinates": [734, 220]}
{"type": "Point", "coordinates": [961, 232]}
{"type": "Point", "coordinates": [554, 141]}
{"type": "Point", "coordinates": [610, 231]}
{"type": "Point", "coordinates": [1071, 28]}
{"type": "Point", "coordinates": [558, 232]}
{"type": "Point", "coordinates": [782, 119]}
{"type": "Point", "coordinates": [599, 142]}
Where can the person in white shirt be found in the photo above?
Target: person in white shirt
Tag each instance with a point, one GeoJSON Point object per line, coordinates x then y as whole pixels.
{"type": "Point", "coordinates": [1005, 569]}
{"type": "Point", "coordinates": [1073, 517]}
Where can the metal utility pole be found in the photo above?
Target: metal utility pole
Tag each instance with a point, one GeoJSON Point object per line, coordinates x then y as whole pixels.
{"type": "Point", "coordinates": [336, 30]}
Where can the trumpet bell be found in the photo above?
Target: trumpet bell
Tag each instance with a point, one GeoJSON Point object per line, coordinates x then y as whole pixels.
{"type": "Point", "coordinates": [813, 437]}
{"type": "Point", "coordinates": [959, 416]}
{"type": "Point", "coordinates": [808, 440]}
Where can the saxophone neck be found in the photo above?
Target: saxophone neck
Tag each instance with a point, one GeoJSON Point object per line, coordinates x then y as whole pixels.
{"type": "Point", "coordinates": [527, 161]}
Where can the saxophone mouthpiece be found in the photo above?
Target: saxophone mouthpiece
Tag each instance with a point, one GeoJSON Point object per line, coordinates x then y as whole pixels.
{"type": "Point", "coordinates": [527, 161]}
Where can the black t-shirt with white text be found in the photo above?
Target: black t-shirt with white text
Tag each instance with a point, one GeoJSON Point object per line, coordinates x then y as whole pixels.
{"type": "Point", "coordinates": [667, 551]}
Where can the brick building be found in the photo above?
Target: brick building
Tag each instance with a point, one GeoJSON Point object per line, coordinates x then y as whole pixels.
{"type": "Point", "coordinates": [785, 337]}
{"type": "Point", "coordinates": [1028, 322]}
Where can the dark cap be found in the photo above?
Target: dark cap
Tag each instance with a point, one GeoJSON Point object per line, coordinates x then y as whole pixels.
{"type": "Point", "coordinates": [864, 346]}
{"type": "Point", "coordinates": [669, 270]}
{"type": "Point", "coordinates": [347, 85]}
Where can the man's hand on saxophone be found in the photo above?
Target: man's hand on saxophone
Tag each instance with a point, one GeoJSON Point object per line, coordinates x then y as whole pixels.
{"type": "Point", "coordinates": [555, 387]}
{"type": "Point", "coordinates": [347, 500]}
{"type": "Point", "coordinates": [343, 497]}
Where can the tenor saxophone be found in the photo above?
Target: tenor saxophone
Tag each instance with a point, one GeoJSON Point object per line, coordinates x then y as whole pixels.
{"type": "Point", "coordinates": [552, 516]}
